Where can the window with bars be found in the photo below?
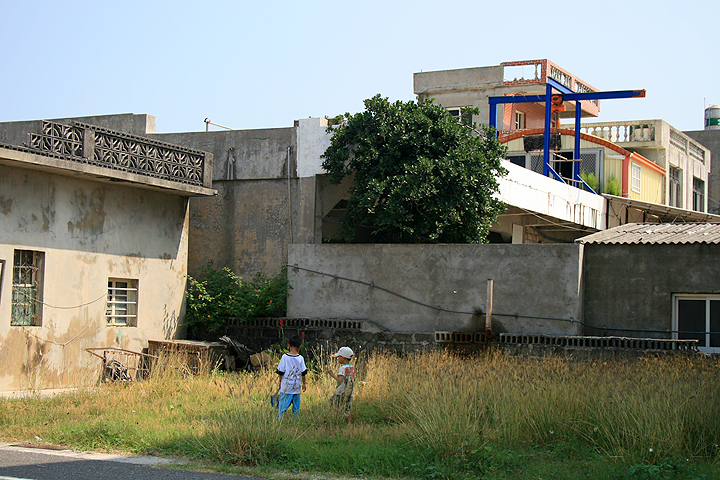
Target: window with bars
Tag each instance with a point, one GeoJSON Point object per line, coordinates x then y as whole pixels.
{"type": "Point", "coordinates": [675, 188]}
{"type": "Point", "coordinates": [698, 195]}
{"type": "Point", "coordinates": [27, 288]}
{"type": "Point", "coordinates": [636, 176]}
{"type": "Point", "coordinates": [122, 302]}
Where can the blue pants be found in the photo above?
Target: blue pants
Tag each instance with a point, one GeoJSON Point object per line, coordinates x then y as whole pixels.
{"type": "Point", "coordinates": [284, 402]}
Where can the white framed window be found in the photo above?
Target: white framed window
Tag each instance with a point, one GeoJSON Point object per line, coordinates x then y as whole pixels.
{"type": "Point", "coordinates": [122, 302]}
{"type": "Point", "coordinates": [698, 317]}
{"type": "Point", "coordinates": [636, 175]}
{"type": "Point", "coordinates": [675, 188]}
{"type": "Point", "coordinates": [27, 288]}
{"type": "Point", "coordinates": [698, 195]}
{"type": "Point", "coordinates": [519, 120]}
{"type": "Point", "coordinates": [457, 112]}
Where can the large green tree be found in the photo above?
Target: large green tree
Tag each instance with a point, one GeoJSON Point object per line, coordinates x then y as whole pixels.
{"type": "Point", "coordinates": [420, 174]}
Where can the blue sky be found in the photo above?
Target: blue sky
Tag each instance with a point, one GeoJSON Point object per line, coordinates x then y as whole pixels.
{"type": "Point", "coordinates": [261, 64]}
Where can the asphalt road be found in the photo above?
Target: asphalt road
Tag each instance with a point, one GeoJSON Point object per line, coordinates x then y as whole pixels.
{"type": "Point", "coordinates": [43, 464]}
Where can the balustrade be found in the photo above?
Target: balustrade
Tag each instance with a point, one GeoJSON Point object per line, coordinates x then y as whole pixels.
{"type": "Point", "coordinates": [621, 132]}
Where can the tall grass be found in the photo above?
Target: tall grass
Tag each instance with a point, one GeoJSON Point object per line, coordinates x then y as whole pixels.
{"type": "Point", "coordinates": [421, 415]}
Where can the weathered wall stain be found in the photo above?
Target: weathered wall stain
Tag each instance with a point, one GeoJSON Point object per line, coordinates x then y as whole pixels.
{"type": "Point", "coordinates": [89, 211]}
{"type": "Point", "coordinates": [5, 205]}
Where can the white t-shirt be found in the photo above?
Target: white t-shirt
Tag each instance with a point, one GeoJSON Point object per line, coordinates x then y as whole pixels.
{"type": "Point", "coordinates": [347, 371]}
{"type": "Point", "coordinates": [292, 368]}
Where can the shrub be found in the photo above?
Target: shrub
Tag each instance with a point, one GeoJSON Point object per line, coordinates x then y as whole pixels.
{"type": "Point", "coordinates": [590, 179]}
{"type": "Point", "coordinates": [613, 186]}
{"type": "Point", "coordinates": [221, 294]}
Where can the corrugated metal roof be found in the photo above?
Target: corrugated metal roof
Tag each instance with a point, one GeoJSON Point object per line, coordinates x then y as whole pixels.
{"type": "Point", "coordinates": [657, 233]}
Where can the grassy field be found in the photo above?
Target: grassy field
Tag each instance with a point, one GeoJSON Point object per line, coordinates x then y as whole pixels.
{"type": "Point", "coordinates": [426, 416]}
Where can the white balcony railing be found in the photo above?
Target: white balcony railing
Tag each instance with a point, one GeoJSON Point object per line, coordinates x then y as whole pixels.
{"type": "Point", "coordinates": [621, 132]}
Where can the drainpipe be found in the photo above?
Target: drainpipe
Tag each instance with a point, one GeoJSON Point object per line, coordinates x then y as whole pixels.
{"type": "Point", "coordinates": [488, 313]}
{"type": "Point", "coordinates": [626, 177]}
{"type": "Point", "coordinates": [289, 195]}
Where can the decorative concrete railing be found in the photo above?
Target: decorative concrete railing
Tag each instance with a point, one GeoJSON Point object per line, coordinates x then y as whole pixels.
{"type": "Point", "coordinates": [620, 132]}
{"type": "Point", "coordinates": [93, 145]}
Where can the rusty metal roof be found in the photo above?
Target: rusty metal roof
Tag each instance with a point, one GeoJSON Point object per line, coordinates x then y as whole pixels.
{"type": "Point", "coordinates": [657, 233]}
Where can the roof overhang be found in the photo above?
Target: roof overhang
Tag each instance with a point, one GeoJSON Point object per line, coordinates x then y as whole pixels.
{"type": "Point", "coordinates": [664, 213]}
{"type": "Point", "coordinates": [21, 157]}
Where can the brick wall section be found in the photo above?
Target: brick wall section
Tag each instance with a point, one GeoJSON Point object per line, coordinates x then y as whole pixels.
{"type": "Point", "coordinates": [534, 115]}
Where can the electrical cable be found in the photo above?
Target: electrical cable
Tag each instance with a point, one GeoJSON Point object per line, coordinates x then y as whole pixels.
{"type": "Point", "coordinates": [104, 295]}
{"type": "Point", "coordinates": [514, 315]}
{"type": "Point", "coordinates": [59, 308]}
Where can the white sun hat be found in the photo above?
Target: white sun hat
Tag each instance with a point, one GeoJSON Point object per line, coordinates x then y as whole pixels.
{"type": "Point", "coordinates": [344, 352]}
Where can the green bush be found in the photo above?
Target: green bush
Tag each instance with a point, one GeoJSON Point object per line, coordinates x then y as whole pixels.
{"type": "Point", "coordinates": [613, 186]}
{"type": "Point", "coordinates": [221, 294]}
{"type": "Point", "coordinates": [590, 179]}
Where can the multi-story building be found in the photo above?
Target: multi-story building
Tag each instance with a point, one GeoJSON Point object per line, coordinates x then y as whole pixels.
{"type": "Point", "coordinates": [645, 163]}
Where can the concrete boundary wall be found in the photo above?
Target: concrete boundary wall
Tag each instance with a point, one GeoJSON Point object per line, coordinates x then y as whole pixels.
{"type": "Point", "coordinates": [427, 288]}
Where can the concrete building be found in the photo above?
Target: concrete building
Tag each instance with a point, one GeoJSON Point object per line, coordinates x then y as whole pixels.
{"type": "Point", "coordinates": [654, 280]}
{"type": "Point", "coordinates": [687, 163]}
{"type": "Point", "coordinates": [471, 87]}
{"type": "Point", "coordinates": [94, 227]}
{"type": "Point", "coordinates": [270, 194]}
{"type": "Point", "coordinates": [710, 139]}
{"type": "Point", "coordinates": [648, 170]}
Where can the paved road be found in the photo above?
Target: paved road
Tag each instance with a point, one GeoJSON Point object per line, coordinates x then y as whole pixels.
{"type": "Point", "coordinates": [42, 464]}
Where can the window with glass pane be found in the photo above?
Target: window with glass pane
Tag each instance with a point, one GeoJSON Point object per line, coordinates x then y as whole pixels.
{"type": "Point", "coordinates": [698, 195]}
{"type": "Point", "coordinates": [674, 194]}
{"type": "Point", "coordinates": [636, 177]}
{"type": "Point", "coordinates": [27, 288]}
{"type": "Point", "coordinates": [122, 302]}
{"type": "Point", "coordinates": [698, 317]}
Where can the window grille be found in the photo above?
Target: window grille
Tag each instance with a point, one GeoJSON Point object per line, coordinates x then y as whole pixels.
{"type": "Point", "coordinates": [536, 163]}
{"type": "Point", "coordinates": [122, 303]}
{"type": "Point", "coordinates": [27, 288]}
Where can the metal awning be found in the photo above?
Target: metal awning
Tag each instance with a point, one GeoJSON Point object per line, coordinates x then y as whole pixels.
{"type": "Point", "coordinates": [618, 207]}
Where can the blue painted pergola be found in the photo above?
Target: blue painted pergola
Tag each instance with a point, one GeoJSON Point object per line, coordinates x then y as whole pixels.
{"type": "Point", "coordinates": [565, 95]}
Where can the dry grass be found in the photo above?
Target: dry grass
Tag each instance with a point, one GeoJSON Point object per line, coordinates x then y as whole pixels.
{"type": "Point", "coordinates": [645, 410]}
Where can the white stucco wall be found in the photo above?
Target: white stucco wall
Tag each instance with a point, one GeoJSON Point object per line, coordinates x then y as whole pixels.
{"type": "Point", "coordinates": [312, 141]}
{"type": "Point", "coordinates": [89, 232]}
{"type": "Point", "coordinates": [525, 189]}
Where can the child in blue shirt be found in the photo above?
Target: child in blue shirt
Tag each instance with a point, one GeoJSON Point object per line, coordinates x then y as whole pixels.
{"type": "Point", "coordinates": [291, 372]}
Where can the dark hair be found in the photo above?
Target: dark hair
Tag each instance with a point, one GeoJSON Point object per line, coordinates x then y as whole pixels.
{"type": "Point", "coordinates": [295, 341]}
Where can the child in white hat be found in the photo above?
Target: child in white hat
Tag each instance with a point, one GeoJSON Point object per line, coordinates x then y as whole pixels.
{"type": "Point", "coordinates": [345, 377]}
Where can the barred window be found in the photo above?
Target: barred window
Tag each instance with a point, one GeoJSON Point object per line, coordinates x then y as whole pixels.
{"type": "Point", "coordinates": [122, 302]}
{"type": "Point", "coordinates": [27, 288]}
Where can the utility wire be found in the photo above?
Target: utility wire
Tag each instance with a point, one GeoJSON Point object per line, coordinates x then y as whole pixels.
{"type": "Point", "coordinates": [17, 290]}
{"type": "Point", "coordinates": [515, 315]}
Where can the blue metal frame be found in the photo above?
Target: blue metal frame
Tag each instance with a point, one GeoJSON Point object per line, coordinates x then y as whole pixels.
{"type": "Point", "coordinates": [567, 95]}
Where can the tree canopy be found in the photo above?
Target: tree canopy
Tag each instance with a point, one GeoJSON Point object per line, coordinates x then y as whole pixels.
{"type": "Point", "coordinates": [420, 174]}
